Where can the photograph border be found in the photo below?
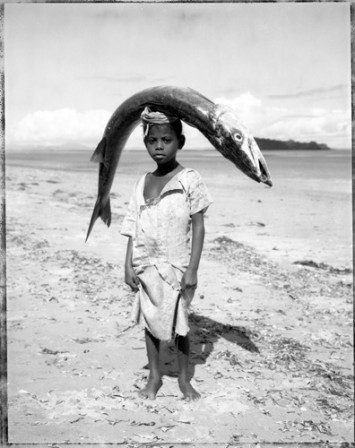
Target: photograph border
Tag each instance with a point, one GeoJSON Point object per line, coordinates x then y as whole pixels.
{"type": "Point", "coordinates": [4, 440]}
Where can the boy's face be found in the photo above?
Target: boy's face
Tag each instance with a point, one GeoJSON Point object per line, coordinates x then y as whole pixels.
{"type": "Point", "coordinates": [162, 143]}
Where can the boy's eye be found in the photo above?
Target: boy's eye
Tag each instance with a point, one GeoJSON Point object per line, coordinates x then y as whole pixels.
{"type": "Point", "coordinates": [166, 140]}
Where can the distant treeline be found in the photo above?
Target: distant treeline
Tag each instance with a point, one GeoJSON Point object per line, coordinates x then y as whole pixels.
{"type": "Point", "coordinates": [270, 144]}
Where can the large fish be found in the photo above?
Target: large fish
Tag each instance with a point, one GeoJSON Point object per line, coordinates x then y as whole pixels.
{"type": "Point", "coordinates": [218, 123]}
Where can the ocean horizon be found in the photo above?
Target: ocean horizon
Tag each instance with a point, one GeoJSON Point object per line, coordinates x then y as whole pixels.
{"type": "Point", "coordinates": [307, 164]}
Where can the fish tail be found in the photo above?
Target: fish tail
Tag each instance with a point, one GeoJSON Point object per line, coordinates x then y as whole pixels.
{"type": "Point", "coordinates": [99, 153]}
{"type": "Point", "coordinates": [104, 212]}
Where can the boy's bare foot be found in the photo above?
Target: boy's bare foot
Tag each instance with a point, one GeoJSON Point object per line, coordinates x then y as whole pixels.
{"type": "Point", "coordinates": [151, 389]}
{"type": "Point", "coordinates": [190, 394]}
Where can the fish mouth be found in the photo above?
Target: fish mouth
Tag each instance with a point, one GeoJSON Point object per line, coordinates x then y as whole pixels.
{"type": "Point", "coordinates": [249, 159]}
{"type": "Point", "coordinates": [264, 174]}
{"type": "Point", "coordinates": [260, 171]}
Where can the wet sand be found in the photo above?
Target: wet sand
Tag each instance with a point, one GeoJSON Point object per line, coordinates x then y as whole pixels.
{"type": "Point", "coordinates": [271, 322]}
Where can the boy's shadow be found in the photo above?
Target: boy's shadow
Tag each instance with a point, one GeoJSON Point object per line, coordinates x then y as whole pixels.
{"type": "Point", "coordinates": [204, 332]}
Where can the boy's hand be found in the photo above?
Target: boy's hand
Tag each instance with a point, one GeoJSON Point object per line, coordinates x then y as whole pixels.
{"type": "Point", "coordinates": [189, 279]}
{"type": "Point", "coordinates": [131, 279]}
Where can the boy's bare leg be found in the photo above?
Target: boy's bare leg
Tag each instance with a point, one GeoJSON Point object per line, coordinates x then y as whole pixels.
{"type": "Point", "coordinates": [154, 380]}
{"type": "Point", "coordinates": [183, 348]}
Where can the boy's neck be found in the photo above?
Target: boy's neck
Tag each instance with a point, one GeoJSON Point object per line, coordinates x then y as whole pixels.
{"type": "Point", "coordinates": [166, 168]}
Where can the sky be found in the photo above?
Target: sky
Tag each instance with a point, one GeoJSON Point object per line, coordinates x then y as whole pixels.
{"type": "Point", "coordinates": [284, 67]}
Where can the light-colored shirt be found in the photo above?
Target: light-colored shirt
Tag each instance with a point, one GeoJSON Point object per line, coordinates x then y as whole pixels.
{"type": "Point", "coordinates": [161, 228]}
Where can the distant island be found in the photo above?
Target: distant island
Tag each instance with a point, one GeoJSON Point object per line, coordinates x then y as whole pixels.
{"type": "Point", "coordinates": [288, 145]}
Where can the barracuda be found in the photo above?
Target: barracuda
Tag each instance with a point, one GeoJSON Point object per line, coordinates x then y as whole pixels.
{"type": "Point", "coordinates": [218, 123]}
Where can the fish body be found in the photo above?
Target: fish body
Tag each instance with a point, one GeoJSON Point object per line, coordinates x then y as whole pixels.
{"type": "Point", "coordinates": [218, 123]}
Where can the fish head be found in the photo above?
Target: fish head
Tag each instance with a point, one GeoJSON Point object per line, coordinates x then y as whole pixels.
{"type": "Point", "coordinates": [235, 142]}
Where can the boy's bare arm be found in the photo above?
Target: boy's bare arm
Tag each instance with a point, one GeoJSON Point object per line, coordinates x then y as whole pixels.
{"type": "Point", "coordinates": [131, 278]}
{"type": "Point", "coordinates": [189, 279]}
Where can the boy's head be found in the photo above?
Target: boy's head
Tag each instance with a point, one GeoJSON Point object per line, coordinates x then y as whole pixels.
{"type": "Point", "coordinates": [154, 118]}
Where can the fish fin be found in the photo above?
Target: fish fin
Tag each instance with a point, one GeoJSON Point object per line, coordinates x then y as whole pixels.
{"type": "Point", "coordinates": [99, 153]}
{"type": "Point", "coordinates": [103, 211]}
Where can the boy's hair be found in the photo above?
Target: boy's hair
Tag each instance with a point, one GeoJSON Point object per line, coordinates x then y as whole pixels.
{"type": "Point", "coordinates": [176, 125]}
{"type": "Point", "coordinates": [150, 118]}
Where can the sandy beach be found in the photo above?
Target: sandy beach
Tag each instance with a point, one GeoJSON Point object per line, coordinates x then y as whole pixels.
{"type": "Point", "coordinates": [271, 322]}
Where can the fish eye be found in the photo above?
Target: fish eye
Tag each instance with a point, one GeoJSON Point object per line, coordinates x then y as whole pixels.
{"type": "Point", "coordinates": [238, 137]}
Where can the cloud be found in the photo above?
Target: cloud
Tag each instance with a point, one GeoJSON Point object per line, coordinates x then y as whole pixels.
{"type": "Point", "coordinates": [324, 125]}
{"type": "Point", "coordinates": [56, 127]}
{"type": "Point", "coordinates": [252, 111]}
{"type": "Point", "coordinates": [321, 125]}
{"type": "Point", "coordinates": [340, 89]}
